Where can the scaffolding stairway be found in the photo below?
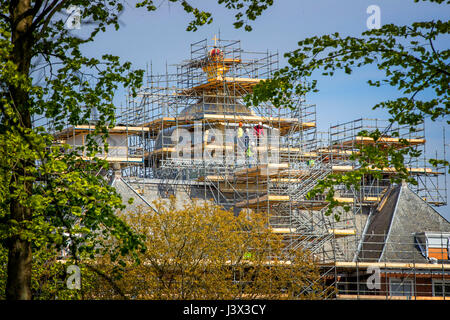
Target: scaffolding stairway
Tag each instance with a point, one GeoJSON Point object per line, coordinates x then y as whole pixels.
{"type": "Point", "coordinates": [312, 178]}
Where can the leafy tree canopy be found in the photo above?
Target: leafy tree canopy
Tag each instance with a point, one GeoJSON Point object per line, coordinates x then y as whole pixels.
{"type": "Point", "coordinates": [410, 61]}
{"type": "Point", "coordinates": [201, 251]}
{"type": "Point", "coordinates": [49, 196]}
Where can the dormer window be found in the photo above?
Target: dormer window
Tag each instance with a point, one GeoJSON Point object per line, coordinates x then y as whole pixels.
{"type": "Point", "coordinates": [435, 246]}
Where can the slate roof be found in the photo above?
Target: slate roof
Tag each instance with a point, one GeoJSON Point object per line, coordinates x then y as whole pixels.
{"type": "Point", "coordinates": [389, 234]}
{"type": "Point", "coordinates": [127, 192]}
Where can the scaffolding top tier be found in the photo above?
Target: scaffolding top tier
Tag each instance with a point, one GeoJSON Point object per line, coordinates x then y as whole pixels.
{"type": "Point", "coordinates": [223, 67]}
{"type": "Point", "coordinates": [237, 85]}
{"type": "Point", "coordinates": [283, 124]}
{"type": "Point", "coordinates": [202, 62]}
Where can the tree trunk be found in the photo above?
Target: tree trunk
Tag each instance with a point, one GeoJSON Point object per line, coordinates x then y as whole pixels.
{"type": "Point", "coordinates": [18, 285]}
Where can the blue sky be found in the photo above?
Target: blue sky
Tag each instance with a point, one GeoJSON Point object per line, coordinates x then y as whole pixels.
{"type": "Point", "coordinates": [160, 37]}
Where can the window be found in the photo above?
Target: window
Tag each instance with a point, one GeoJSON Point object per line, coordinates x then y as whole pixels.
{"type": "Point", "coordinates": [401, 287]}
{"type": "Point", "coordinates": [438, 248]}
{"type": "Point", "coordinates": [441, 288]}
{"type": "Point", "coordinates": [434, 245]}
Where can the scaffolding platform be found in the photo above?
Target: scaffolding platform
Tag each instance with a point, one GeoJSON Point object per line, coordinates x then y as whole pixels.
{"type": "Point", "coordinates": [338, 233]}
{"type": "Point", "coordinates": [265, 201]}
{"type": "Point", "coordinates": [384, 141]}
{"type": "Point", "coordinates": [206, 94]}
{"type": "Point", "coordinates": [263, 170]}
{"type": "Point", "coordinates": [412, 171]}
{"type": "Point", "coordinates": [84, 129]}
{"type": "Point", "coordinates": [240, 86]}
{"type": "Point", "coordinates": [335, 232]}
{"type": "Point", "coordinates": [262, 201]}
{"type": "Point", "coordinates": [284, 125]}
{"type": "Point", "coordinates": [121, 160]}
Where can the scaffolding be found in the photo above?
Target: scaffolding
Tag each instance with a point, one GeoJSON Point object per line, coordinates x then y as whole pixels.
{"type": "Point", "coordinates": [344, 138]}
{"type": "Point", "coordinates": [190, 134]}
{"type": "Point", "coordinates": [194, 117]}
{"type": "Point", "coordinates": [408, 276]}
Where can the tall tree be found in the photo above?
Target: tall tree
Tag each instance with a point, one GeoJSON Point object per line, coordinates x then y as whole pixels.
{"type": "Point", "coordinates": [411, 63]}
{"type": "Point", "coordinates": [46, 196]}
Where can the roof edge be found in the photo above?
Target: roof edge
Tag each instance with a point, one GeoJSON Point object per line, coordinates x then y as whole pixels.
{"type": "Point", "coordinates": [403, 185]}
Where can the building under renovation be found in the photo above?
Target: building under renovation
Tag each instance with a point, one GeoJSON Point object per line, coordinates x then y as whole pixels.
{"type": "Point", "coordinates": [189, 134]}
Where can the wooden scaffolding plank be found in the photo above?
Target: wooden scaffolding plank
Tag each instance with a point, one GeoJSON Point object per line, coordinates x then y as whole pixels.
{"type": "Point", "coordinates": [79, 129]}
{"type": "Point", "coordinates": [161, 151]}
{"type": "Point", "coordinates": [282, 123]}
{"type": "Point", "coordinates": [231, 179]}
{"type": "Point", "coordinates": [286, 150]}
{"type": "Point", "coordinates": [351, 200]}
{"type": "Point", "coordinates": [115, 159]}
{"type": "Point", "coordinates": [282, 151]}
{"type": "Point", "coordinates": [264, 170]}
{"type": "Point", "coordinates": [335, 151]}
{"type": "Point", "coordinates": [388, 170]}
{"type": "Point", "coordinates": [342, 168]}
{"type": "Point", "coordinates": [215, 178]}
{"type": "Point", "coordinates": [382, 140]}
{"type": "Point", "coordinates": [262, 200]}
{"type": "Point", "coordinates": [236, 84]}
{"type": "Point", "coordinates": [310, 205]}
{"type": "Point", "coordinates": [434, 203]}
{"type": "Point", "coordinates": [424, 171]}
{"type": "Point", "coordinates": [285, 180]}
{"type": "Point", "coordinates": [193, 148]}
{"type": "Point", "coordinates": [391, 265]}
{"type": "Point", "coordinates": [308, 155]}
{"type": "Point", "coordinates": [224, 61]}
{"type": "Point", "coordinates": [241, 187]}
{"type": "Point", "coordinates": [342, 232]}
{"type": "Point", "coordinates": [306, 204]}
{"type": "Point", "coordinates": [283, 230]}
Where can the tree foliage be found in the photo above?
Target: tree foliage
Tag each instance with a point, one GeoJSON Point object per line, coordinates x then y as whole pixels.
{"type": "Point", "coordinates": [202, 251]}
{"type": "Point", "coordinates": [49, 196]}
{"type": "Point", "coordinates": [49, 275]}
{"type": "Point", "coordinates": [410, 61]}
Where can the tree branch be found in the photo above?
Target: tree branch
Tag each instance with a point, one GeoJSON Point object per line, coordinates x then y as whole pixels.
{"type": "Point", "coordinates": [46, 15]}
{"type": "Point", "coordinates": [5, 17]}
{"type": "Point", "coordinates": [109, 280]}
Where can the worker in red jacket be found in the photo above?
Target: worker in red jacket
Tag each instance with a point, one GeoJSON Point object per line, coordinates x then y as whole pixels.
{"type": "Point", "coordinates": [258, 131]}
